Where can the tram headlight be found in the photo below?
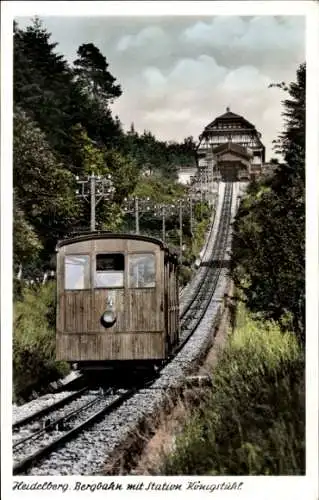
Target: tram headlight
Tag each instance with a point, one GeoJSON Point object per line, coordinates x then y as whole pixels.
{"type": "Point", "coordinates": [108, 318]}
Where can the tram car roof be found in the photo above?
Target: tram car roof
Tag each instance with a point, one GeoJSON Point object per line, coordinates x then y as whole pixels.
{"type": "Point", "coordinates": [101, 235]}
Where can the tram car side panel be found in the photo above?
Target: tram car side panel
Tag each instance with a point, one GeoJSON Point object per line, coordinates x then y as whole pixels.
{"type": "Point", "coordinates": [112, 277]}
{"type": "Point", "coordinates": [173, 302]}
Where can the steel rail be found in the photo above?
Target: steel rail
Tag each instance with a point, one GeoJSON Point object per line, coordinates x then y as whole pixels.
{"type": "Point", "coordinates": [193, 295]}
{"type": "Point", "coordinates": [207, 288]}
{"type": "Point", "coordinates": [204, 291]}
{"type": "Point", "coordinates": [222, 229]}
{"type": "Point", "coordinates": [27, 462]}
{"type": "Point", "coordinates": [48, 409]}
{"type": "Point", "coordinates": [55, 423]}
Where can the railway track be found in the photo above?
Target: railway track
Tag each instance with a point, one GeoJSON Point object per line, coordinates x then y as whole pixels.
{"type": "Point", "coordinates": [27, 450]}
{"type": "Point", "coordinates": [189, 292]}
{"type": "Point", "coordinates": [196, 307]}
{"type": "Point", "coordinates": [63, 423]}
{"type": "Point", "coordinates": [36, 416]}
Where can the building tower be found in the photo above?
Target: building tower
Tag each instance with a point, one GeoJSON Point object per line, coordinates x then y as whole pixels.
{"type": "Point", "coordinates": [236, 146]}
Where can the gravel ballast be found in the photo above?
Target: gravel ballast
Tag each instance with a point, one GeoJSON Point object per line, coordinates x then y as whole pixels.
{"type": "Point", "coordinates": [88, 453]}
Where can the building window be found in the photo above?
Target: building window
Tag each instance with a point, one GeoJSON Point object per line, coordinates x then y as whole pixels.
{"type": "Point", "coordinates": [142, 270]}
{"type": "Point", "coordinates": [76, 272]}
{"type": "Point", "coordinates": [109, 272]}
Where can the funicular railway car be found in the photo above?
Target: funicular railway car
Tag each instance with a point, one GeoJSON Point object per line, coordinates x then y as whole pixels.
{"type": "Point", "coordinates": [117, 301]}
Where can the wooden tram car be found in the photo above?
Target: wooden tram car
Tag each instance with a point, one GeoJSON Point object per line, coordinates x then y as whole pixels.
{"type": "Point", "coordinates": [117, 300]}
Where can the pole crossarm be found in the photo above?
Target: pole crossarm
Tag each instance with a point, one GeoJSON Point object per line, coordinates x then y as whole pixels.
{"type": "Point", "coordinates": [94, 189]}
{"type": "Point", "coordinates": [104, 189]}
{"type": "Point", "coordinates": [136, 206]}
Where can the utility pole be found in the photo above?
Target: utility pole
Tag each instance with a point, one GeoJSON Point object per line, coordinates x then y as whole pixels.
{"type": "Point", "coordinates": [191, 215]}
{"type": "Point", "coordinates": [192, 197]}
{"type": "Point", "coordinates": [210, 174]}
{"type": "Point", "coordinates": [201, 194]}
{"type": "Point", "coordinates": [141, 205]}
{"type": "Point", "coordinates": [191, 221]}
{"type": "Point", "coordinates": [164, 210]}
{"type": "Point", "coordinates": [93, 200]}
{"type": "Point", "coordinates": [163, 223]}
{"type": "Point", "coordinates": [98, 188]}
{"type": "Point", "coordinates": [137, 207]}
{"type": "Point", "coordinates": [180, 230]}
{"type": "Point", "coordinates": [137, 222]}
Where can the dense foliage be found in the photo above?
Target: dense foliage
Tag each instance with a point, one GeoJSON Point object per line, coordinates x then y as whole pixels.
{"type": "Point", "coordinates": [64, 131]}
{"type": "Point", "coordinates": [44, 201]}
{"type": "Point", "coordinates": [253, 420]}
{"type": "Point", "coordinates": [64, 127]}
{"type": "Point", "coordinates": [34, 364]}
{"type": "Point", "coordinates": [153, 155]}
{"type": "Point", "coordinates": [269, 231]}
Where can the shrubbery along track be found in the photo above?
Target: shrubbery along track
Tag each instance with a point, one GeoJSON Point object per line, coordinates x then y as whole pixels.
{"type": "Point", "coordinates": [190, 318]}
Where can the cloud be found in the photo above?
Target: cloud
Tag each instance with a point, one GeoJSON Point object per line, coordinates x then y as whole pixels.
{"type": "Point", "coordinates": [153, 77]}
{"type": "Point", "coordinates": [245, 80]}
{"type": "Point", "coordinates": [191, 72]}
{"type": "Point", "coordinates": [265, 41]}
{"type": "Point", "coordinates": [182, 101]}
{"type": "Point", "coordinates": [217, 32]}
{"type": "Point", "coordinates": [217, 62]}
{"type": "Point", "coordinates": [271, 34]}
{"type": "Point", "coordinates": [169, 115]}
{"type": "Point", "coordinates": [179, 73]}
{"type": "Point", "coordinates": [148, 36]}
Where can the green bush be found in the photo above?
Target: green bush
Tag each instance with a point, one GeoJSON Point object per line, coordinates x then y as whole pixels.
{"type": "Point", "coordinates": [252, 422]}
{"type": "Point", "coordinates": [185, 275]}
{"type": "Point", "coordinates": [34, 364]}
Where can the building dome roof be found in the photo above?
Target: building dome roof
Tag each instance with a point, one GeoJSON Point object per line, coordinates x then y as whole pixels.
{"type": "Point", "coordinates": [233, 128]}
{"type": "Point", "coordinates": [228, 118]}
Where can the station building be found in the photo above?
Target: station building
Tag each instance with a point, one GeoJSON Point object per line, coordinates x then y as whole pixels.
{"type": "Point", "coordinates": [230, 148]}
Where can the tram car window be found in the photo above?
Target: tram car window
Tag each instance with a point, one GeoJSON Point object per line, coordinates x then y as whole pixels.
{"type": "Point", "coordinates": [117, 300]}
{"type": "Point", "coordinates": [109, 272]}
{"type": "Point", "coordinates": [76, 272]}
{"type": "Point", "coordinates": [141, 271]}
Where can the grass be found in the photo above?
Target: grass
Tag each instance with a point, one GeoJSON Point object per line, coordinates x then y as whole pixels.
{"type": "Point", "coordinates": [253, 421]}
{"type": "Point", "coordinates": [34, 364]}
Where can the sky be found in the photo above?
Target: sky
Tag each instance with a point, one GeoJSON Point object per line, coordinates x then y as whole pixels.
{"type": "Point", "coordinates": [178, 73]}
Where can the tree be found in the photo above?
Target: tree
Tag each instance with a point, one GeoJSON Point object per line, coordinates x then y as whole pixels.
{"type": "Point", "coordinates": [91, 69]}
{"type": "Point", "coordinates": [26, 244]}
{"type": "Point", "coordinates": [42, 81]}
{"type": "Point", "coordinates": [92, 158]}
{"type": "Point", "coordinates": [87, 156]}
{"type": "Point", "coordinates": [268, 253]}
{"type": "Point", "coordinates": [291, 142]}
{"type": "Point", "coordinates": [98, 89]}
{"type": "Point", "coordinates": [154, 156]}
{"type": "Point", "coordinates": [124, 173]}
{"type": "Point", "coordinates": [45, 201]}
{"type": "Point", "coordinates": [63, 126]}
{"type": "Point", "coordinates": [54, 97]}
